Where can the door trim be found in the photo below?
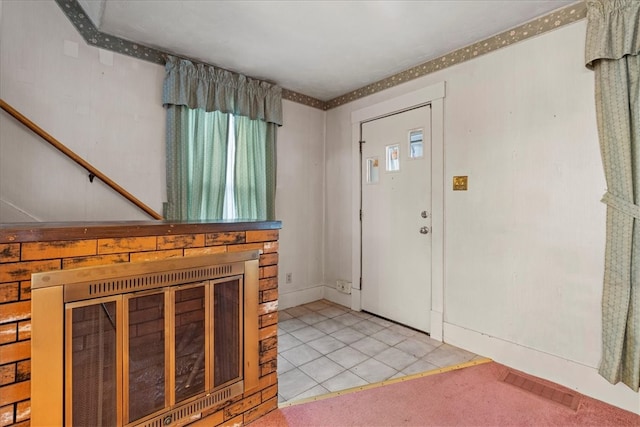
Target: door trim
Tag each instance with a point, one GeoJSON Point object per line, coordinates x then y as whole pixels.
{"type": "Point", "coordinates": [433, 95]}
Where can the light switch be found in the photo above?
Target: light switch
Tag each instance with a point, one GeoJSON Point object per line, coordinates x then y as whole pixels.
{"type": "Point", "coordinates": [460, 183]}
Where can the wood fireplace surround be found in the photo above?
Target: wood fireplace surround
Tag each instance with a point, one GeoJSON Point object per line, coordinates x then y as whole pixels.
{"type": "Point", "coordinates": [178, 264]}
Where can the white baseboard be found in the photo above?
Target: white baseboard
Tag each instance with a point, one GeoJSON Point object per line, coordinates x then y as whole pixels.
{"type": "Point", "coordinates": [331, 294]}
{"type": "Point", "coordinates": [299, 297]}
{"type": "Point", "coordinates": [436, 325]}
{"type": "Point", "coordinates": [356, 300]}
{"type": "Point", "coordinates": [315, 293]}
{"type": "Point", "coordinates": [582, 378]}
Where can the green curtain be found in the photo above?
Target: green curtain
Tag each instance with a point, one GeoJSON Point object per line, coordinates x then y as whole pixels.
{"type": "Point", "coordinates": [271, 167]}
{"type": "Point", "coordinates": [250, 169]}
{"type": "Point", "coordinates": [196, 163]}
{"type": "Point", "coordinates": [198, 99]}
{"type": "Point", "coordinates": [612, 51]}
{"type": "Point", "coordinates": [255, 169]}
{"type": "Point", "coordinates": [216, 89]}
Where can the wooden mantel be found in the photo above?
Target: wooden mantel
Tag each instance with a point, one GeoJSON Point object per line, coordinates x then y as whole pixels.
{"type": "Point", "coordinates": [29, 248]}
{"type": "Point", "coordinates": [51, 231]}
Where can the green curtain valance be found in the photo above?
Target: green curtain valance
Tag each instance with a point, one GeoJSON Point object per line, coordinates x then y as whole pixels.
{"type": "Point", "coordinates": [612, 30]}
{"type": "Point", "coordinates": [215, 89]}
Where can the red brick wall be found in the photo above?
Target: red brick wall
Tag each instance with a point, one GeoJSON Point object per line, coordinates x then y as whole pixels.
{"type": "Point", "coordinates": [19, 260]}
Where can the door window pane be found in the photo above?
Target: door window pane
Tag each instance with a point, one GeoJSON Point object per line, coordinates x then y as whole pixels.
{"type": "Point", "coordinates": [416, 144]}
{"type": "Point", "coordinates": [372, 170]}
{"type": "Point", "coordinates": [393, 157]}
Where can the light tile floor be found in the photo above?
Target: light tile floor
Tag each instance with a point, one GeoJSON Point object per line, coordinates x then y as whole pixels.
{"type": "Point", "coordinates": [324, 347]}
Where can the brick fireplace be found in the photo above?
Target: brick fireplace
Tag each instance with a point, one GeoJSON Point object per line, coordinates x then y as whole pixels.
{"type": "Point", "coordinates": [45, 248]}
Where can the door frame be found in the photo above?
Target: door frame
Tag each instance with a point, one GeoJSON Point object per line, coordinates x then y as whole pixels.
{"type": "Point", "coordinates": [433, 95]}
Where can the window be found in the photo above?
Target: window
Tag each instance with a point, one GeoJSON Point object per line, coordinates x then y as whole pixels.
{"type": "Point", "coordinates": [393, 157]}
{"type": "Point", "coordinates": [219, 166]}
{"type": "Point", "coordinates": [416, 144]}
{"type": "Point", "coordinates": [221, 143]}
{"type": "Point", "coordinates": [229, 208]}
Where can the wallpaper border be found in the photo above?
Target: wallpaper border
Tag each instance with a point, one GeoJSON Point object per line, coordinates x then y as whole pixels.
{"type": "Point", "coordinates": [564, 16]}
{"type": "Point", "coordinates": [94, 37]}
{"type": "Point", "coordinates": [543, 24]}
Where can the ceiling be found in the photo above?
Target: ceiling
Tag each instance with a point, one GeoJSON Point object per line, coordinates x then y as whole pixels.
{"type": "Point", "coordinates": [322, 49]}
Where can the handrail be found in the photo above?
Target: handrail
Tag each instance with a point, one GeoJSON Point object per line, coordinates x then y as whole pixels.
{"type": "Point", "coordinates": [76, 158]}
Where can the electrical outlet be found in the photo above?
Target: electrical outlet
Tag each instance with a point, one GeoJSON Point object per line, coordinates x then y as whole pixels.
{"type": "Point", "coordinates": [288, 277]}
{"type": "Point", "coordinates": [343, 286]}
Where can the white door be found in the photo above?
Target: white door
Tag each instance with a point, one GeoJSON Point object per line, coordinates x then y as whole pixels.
{"type": "Point", "coordinates": [396, 217]}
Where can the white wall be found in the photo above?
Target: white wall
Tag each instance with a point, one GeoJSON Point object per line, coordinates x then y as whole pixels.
{"type": "Point", "coordinates": [524, 247]}
{"type": "Point", "coordinates": [299, 204]}
{"type": "Point", "coordinates": [104, 106]}
{"type": "Point", "coordinates": [111, 115]}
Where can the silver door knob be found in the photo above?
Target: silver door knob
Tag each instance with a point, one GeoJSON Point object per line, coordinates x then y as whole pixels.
{"type": "Point", "coordinates": [424, 230]}
{"type": "Point", "coordinates": [424, 214]}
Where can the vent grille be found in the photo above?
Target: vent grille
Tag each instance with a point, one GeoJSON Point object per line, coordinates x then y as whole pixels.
{"type": "Point", "coordinates": [134, 283]}
{"type": "Point", "coordinates": [129, 284]}
{"type": "Point", "coordinates": [564, 398]}
{"type": "Point", "coordinates": [192, 411]}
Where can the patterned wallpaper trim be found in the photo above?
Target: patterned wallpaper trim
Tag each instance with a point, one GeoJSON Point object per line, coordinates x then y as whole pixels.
{"type": "Point", "coordinates": [84, 25]}
{"type": "Point", "coordinates": [96, 38]}
{"type": "Point", "coordinates": [303, 99]}
{"type": "Point", "coordinates": [549, 22]}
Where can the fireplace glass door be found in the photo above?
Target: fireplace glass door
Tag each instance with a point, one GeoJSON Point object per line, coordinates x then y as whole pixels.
{"type": "Point", "coordinates": [145, 358]}
{"type": "Point", "coordinates": [94, 366]}
{"type": "Point", "coordinates": [134, 356]}
{"type": "Point", "coordinates": [190, 342]}
{"type": "Point", "coordinates": [227, 332]}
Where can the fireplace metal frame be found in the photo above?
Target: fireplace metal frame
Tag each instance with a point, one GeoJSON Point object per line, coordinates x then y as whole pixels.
{"type": "Point", "coordinates": [52, 291]}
